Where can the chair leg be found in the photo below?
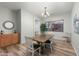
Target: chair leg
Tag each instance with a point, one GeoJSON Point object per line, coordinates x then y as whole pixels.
{"type": "Point", "coordinates": [39, 52]}
{"type": "Point", "coordinates": [33, 53]}
{"type": "Point", "coordinates": [51, 47]}
{"type": "Point", "coordinates": [44, 46]}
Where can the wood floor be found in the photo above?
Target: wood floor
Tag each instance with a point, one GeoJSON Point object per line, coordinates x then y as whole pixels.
{"type": "Point", "coordinates": [61, 48]}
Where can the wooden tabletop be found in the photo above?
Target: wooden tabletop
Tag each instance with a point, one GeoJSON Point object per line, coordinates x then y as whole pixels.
{"type": "Point", "coordinates": [42, 38]}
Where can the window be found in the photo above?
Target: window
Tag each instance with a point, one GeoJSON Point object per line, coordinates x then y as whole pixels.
{"type": "Point", "coordinates": [56, 26]}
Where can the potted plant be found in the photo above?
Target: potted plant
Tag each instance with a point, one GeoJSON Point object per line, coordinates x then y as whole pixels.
{"type": "Point", "coordinates": [43, 28]}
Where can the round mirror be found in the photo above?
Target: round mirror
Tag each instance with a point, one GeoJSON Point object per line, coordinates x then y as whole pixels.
{"type": "Point", "coordinates": [8, 25]}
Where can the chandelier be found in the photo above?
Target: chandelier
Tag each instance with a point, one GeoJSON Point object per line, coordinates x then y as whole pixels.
{"type": "Point", "coordinates": [45, 13]}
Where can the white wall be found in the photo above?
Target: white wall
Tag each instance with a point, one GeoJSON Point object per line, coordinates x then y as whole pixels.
{"type": "Point", "coordinates": [7, 14]}
{"type": "Point", "coordinates": [27, 24]}
{"type": "Point", "coordinates": [67, 22]}
{"type": "Point", "coordinates": [37, 25]}
{"type": "Point", "coordinates": [18, 21]}
{"type": "Point", "coordinates": [75, 36]}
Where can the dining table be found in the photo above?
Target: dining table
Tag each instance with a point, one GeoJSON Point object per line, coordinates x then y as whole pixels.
{"type": "Point", "coordinates": [41, 39]}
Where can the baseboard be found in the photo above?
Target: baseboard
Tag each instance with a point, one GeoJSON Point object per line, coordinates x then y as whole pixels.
{"type": "Point", "coordinates": [74, 48]}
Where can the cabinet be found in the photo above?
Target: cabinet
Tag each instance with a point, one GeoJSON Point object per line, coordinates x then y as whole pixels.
{"type": "Point", "coordinates": [9, 39]}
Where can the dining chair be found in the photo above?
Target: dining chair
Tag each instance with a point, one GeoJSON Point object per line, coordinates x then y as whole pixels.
{"type": "Point", "coordinates": [32, 46]}
{"type": "Point", "coordinates": [49, 43]}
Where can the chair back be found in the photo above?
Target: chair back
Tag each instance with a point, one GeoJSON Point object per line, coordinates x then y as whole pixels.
{"type": "Point", "coordinates": [52, 39]}
{"type": "Point", "coordinates": [29, 41]}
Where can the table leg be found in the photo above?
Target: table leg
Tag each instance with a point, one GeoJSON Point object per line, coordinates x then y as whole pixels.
{"type": "Point", "coordinates": [40, 48]}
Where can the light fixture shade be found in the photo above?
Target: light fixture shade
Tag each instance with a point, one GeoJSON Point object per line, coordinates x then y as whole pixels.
{"type": "Point", "coordinates": [45, 14]}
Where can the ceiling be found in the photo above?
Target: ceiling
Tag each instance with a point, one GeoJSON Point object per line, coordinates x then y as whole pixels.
{"type": "Point", "coordinates": [37, 8]}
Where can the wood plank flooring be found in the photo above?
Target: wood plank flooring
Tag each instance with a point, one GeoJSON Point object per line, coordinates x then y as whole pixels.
{"type": "Point", "coordinates": [61, 48]}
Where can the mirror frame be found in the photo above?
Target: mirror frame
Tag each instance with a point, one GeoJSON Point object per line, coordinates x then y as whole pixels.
{"type": "Point", "coordinates": [6, 27]}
